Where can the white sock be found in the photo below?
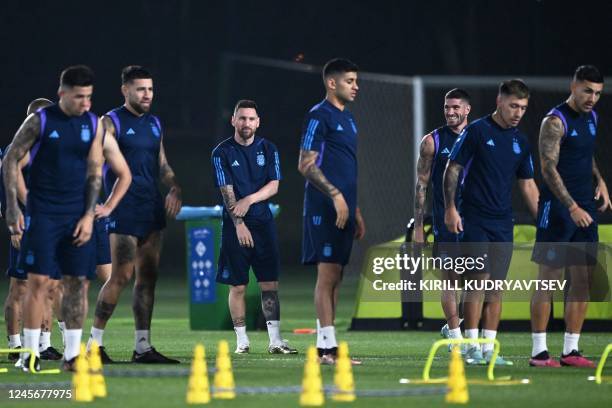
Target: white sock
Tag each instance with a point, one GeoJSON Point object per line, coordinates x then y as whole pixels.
{"type": "Point", "coordinates": [62, 327]}
{"type": "Point", "coordinates": [14, 341]}
{"type": "Point", "coordinates": [30, 340]}
{"type": "Point", "coordinates": [538, 343]}
{"type": "Point", "coordinates": [45, 341]}
{"type": "Point", "coordinates": [320, 342]}
{"type": "Point", "coordinates": [241, 337]}
{"type": "Point", "coordinates": [570, 342]}
{"type": "Point", "coordinates": [73, 343]}
{"type": "Point", "coordinates": [329, 337]}
{"type": "Point", "coordinates": [274, 332]}
{"type": "Point", "coordinates": [95, 334]}
{"type": "Point", "coordinates": [455, 333]}
{"type": "Point", "coordinates": [142, 341]}
{"type": "Point", "coordinates": [471, 334]}
{"type": "Point", "coordinates": [488, 334]}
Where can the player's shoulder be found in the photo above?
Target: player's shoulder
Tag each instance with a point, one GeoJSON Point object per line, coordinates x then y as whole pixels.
{"type": "Point", "coordinates": [264, 143]}
{"type": "Point", "coordinates": [321, 111]}
{"type": "Point", "coordinates": [476, 128]}
{"type": "Point", "coordinates": [222, 147]}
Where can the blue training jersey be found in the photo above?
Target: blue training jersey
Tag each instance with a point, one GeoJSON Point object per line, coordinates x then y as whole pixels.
{"type": "Point", "coordinates": [139, 139]}
{"type": "Point", "coordinates": [58, 162]}
{"type": "Point", "coordinates": [575, 164]}
{"type": "Point", "coordinates": [443, 138]}
{"type": "Point", "coordinates": [247, 169]}
{"type": "Point", "coordinates": [333, 133]}
{"type": "Point", "coordinates": [491, 157]}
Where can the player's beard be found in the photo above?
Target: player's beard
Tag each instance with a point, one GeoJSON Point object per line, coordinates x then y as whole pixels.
{"type": "Point", "coordinates": [246, 133]}
{"type": "Point", "coordinates": [457, 122]}
{"type": "Point", "coordinates": [139, 108]}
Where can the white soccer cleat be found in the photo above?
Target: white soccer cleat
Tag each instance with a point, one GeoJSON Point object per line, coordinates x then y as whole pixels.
{"type": "Point", "coordinates": [242, 349]}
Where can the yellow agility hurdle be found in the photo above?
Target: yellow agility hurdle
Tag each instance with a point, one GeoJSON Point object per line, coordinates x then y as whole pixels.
{"type": "Point", "coordinates": [602, 363]}
{"type": "Point", "coordinates": [24, 350]}
{"type": "Point", "coordinates": [491, 380]}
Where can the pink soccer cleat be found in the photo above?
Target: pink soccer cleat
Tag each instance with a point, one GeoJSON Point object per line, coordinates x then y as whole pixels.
{"type": "Point", "coordinates": [544, 360]}
{"type": "Point", "coordinates": [575, 359]}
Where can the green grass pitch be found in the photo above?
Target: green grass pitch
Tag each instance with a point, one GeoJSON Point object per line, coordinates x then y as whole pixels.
{"type": "Point", "coordinates": [387, 357]}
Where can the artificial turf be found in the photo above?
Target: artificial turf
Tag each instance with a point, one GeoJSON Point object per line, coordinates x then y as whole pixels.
{"type": "Point", "coordinates": [386, 356]}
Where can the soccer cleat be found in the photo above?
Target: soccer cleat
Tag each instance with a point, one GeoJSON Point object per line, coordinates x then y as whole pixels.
{"type": "Point", "coordinates": [499, 360]}
{"type": "Point", "coordinates": [473, 356]}
{"type": "Point", "coordinates": [242, 349]}
{"type": "Point", "coordinates": [69, 365]}
{"type": "Point", "coordinates": [152, 357]}
{"type": "Point", "coordinates": [543, 359]}
{"type": "Point", "coordinates": [26, 364]}
{"type": "Point", "coordinates": [13, 357]}
{"type": "Point", "coordinates": [50, 354]}
{"type": "Point", "coordinates": [282, 348]}
{"type": "Point", "coordinates": [575, 359]}
{"type": "Point", "coordinates": [445, 331]}
{"type": "Point", "coordinates": [104, 356]}
{"type": "Point", "coordinates": [330, 355]}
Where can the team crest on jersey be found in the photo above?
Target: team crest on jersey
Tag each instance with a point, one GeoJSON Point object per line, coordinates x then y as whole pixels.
{"type": "Point", "coordinates": [592, 128]}
{"type": "Point", "coordinates": [85, 133]}
{"type": "Point", "coordinates": [261, 159]}
{"type": "Point", "coordinates": [155, 130]}
{"type": "Point", "coordinates": [515, 147]}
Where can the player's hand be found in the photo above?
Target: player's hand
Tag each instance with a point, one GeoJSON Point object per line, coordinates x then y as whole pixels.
{"type": "Point", "coordinates": [580, 217]}
{"type": "Point", "coordinates": [102, 211]}
{"type": "Point", "coordinates": [82, 232]}
{"type": "Point", "coordinates": [242, 207]}
{"type": "Point", "coordinates": [602, 192]}
{"type": "Point", "coordinates": [15, 221]}
{"type": "Point", "coordinates": [453, 220]}
{"type": "Point", "coordinates": [244, 236]}
{"type": "Point", "coordinates": [16, 241]}
{"type": "Point", "coordinates": [342, 210]}
{"type": "Point", "coordinates": [360, 228]}
{"type": "Point", "coordinates": [173, 202]}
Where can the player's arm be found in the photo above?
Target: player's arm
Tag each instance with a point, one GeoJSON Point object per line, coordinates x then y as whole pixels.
{"type": "Point", "coordinates": [360, 228]}
{"type": "Point", "coordinates": [531, 194]}
{"type": "Point", "coordinates": [601, 190]}
{"type": "Point", "coordinates": [21, 144]}
{"type": "Point", "coordinates": [308, 168]}
{"type": "Point", "coordinates": [551, 134]}
{"type": "Point", "coordinates": [84, 228]}
{"type": "Point", "coordinates": [116, 161]}
{"type": "Point", "coordinates": [168, 178]}
{"type": "Point", "coordinates": [450, 182]}
{"type": "Point", "coordinates": [242, 231]}
{"type": "Point", "coordinates": [22, 190]}
{"type": "Point", "coordinates": [242, 206]}
{"type": "Point", "coordinates": [426, 155]}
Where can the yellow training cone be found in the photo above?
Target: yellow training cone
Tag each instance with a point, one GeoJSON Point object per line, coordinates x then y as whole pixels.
{"type": "Point", "coordinates": [81, 383]}
{"type": "Point", "coordinates": [224, 386]}
{"type": "Point", "coordinates": [343, 377]}
{"type": "Point", "coordinates": [312, 385]}
{"type": "Point", "coordinates": [457, 384]}
{"type": "Point", "coordinates": [97, 382]}
{"type": "Point", "coordinates": [198, 390]}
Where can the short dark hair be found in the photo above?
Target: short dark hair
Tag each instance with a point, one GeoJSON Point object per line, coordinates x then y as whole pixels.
{"type": "Point", "coordinates": [36, 104]}
{"type": "Point", "coordinates": [77, 75]}
{"type": "Point", "coordinates": [339, 66]}
{"type": "Point", "coordinates": [458, 93]}
{"type": "Point", "coordinates": [245, 103]}
{"type": "Point", "coordinates": [132, 72]}
{"type": "Point", "coordinates": [588, 73]}
{"type": "Point", "coordinates": [514, 87]}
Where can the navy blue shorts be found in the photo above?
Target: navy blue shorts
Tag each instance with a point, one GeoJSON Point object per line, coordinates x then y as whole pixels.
{"type": "Point", "coordinates": [101, 247]}
{"type": "Point", "coordinates": [559, 241]}
{"type": "Point", "coordinates": [322, 241]}
{"type": "Point", "coordinates": [47, 249]}
{"type": "Point", "coordinates": [491, 239]}
{"type": "Point", "coordinates": [446, 244]}
{"type": "Point", "coordinates": [13, 269]}
{"type": "Point", "coordinates": [235, 261]}
{"type": "Point", "coordinates": [138, 219]}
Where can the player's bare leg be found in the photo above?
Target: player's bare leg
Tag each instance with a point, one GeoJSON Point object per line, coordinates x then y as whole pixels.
{"type": "Point", "coordinates": [47, 352]}
{"type": "Point", "coordinates": [450, 307]}
{"type": "Point", "coordinates": [270, 305]}
{"type": "Point", "coordinates": [575, 312]}
{"type": "Point", "coordinates": [72, 312]}
{"type": "Point", "coordinates": [472, 308]}
{"type": "Point", "coordinates": [237, 308]}
{"type": "Point", "coordinates": [123, 254]}
{"type": "Point", "coordinates": [37, 287]}
{"type": "Point", "coordinates": [329, 276]}
{"type": "Point", "coordinates": [13, 313]}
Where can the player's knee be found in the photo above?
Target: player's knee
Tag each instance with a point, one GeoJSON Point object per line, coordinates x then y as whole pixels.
{"type": "Point", "coordinates": [238, 290]}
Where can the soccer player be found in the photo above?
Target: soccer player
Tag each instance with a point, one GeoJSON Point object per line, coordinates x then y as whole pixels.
{"type": "Point", "coordinates": [433, 156]}
{"type": "Point", "coordinates": [137, 221]}
{"type": "Point", "coordinates": [332, 219]}
{"type": "Point", "coordinates": [247, 170]}
{"type": "Point", "coordinates": [64, 183]}
{"type": "Point", "coordinates": [491, 152]}
{"type": "Point", "coordinates": [568, 213]}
